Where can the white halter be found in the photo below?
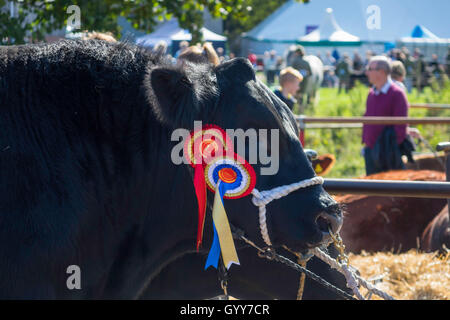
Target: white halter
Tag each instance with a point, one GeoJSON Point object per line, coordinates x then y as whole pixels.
{"type": "Point", "coordinates": [262, 198]}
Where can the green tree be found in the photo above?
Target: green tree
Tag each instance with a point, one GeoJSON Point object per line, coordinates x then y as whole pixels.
{"type": "Point", "coordinates": [34, 19]}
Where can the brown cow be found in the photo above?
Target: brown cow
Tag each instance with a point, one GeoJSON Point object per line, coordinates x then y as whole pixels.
{"type": "Point", "coordinates": [384, 223]}
{"type": "Point", "coordinates": [323, 164]}
{"type": "Point", "coordinates": [437, 233]}
{"type": "Point", "coordinates": [427, 162]}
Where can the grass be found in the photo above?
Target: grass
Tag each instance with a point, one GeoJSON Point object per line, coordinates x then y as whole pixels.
{"type": "Point", "coordinates": [346, 144]}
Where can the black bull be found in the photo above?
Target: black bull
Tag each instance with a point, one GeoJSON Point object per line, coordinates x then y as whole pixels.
{"type": "Point", "coordinates": [86, 175]}
{"type": "Point", "coordinates": [257, 278]}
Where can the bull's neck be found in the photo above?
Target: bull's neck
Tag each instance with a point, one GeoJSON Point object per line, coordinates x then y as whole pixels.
{"type": "Point", "coordinates": [165, 214]}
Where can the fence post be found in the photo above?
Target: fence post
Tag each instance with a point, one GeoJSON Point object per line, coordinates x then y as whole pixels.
{"type": "Point", "coordinates": [445, 146]}
{"type": "Point", "coordinates": [301, 124]}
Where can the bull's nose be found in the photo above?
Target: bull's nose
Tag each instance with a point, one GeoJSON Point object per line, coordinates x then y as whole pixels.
{"type": "Point", "coordinates": [327, 222]}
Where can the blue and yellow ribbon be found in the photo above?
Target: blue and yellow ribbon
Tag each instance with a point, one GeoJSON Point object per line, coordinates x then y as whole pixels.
{"type": "Point", "coordinates": [223, 239]}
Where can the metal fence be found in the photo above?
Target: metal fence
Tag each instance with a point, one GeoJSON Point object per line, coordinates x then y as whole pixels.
{"type": "Point", "coordinates": [413, 189]}
{"type": "Point", "coordinates": [305, 122]}
{"type": "Point", "coordinates": [416, 189]}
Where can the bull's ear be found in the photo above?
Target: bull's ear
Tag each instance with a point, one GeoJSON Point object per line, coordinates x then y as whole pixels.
{"type": "Point", "coordinates": [175, 103]}
{"type": "Point", "coordinates": [238, 69]}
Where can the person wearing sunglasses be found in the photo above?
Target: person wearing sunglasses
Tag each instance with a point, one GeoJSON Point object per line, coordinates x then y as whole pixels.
{"type": "Point", "coordinates": [384, 144]}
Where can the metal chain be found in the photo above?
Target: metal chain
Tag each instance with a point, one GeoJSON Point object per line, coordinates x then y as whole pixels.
{"type": "Point", "coordinates": [223, 279]}
{"type": "Point", "coordinates": [224, 285]}
{"type": "Point", "coordinates": [350, 276]}
{"type": "Point", "coordinates": [270, 254]}
{"type": "Point", "coordinates": [353, 280]}
{"type": "Point", "coordinates": [339, 244]}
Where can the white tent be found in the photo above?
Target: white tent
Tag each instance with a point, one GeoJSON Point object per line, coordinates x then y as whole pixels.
{"type": "Point", "coordinates": [421, 34]}
{"type": "Point", "coordinates": [284, 27]}
{"type": "Point", "coordinates": [171, 33]}
{"type": "Point", "coordinates": [329, 32]}
{"type": "Point", "coordinates": [329, 36]}
{"type": "Point", "coordinates": [427, 42]}
{"type": "Point", "coordinates": [208, 35]}
{"type": "Point", "coordinates": [163, 32]}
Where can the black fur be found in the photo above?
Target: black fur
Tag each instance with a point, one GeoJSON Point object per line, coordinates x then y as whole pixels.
{"type": "Point", "coordinates": [256, 279]}
{"type": "Point", "coordinates": [86, 175]}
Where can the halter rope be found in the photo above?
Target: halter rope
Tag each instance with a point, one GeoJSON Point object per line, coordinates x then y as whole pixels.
{"type": "Point", "coordinates": [262, 198]}
{"type": "Point", "coordinates": [352, 278]}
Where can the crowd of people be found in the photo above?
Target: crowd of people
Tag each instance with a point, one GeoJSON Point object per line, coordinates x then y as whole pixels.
{"type": "Point", "coordinates": [384, 146]}
{"type": "Point", "coordinates": [184, 45]}
{"type": "Point", "coordinates": [390, 77]}
{"type": "Point", "coordinates": [342, 71]}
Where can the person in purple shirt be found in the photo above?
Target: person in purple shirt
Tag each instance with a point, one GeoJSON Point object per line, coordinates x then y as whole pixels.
{"type": "Point", "coordinates": [385, 99]}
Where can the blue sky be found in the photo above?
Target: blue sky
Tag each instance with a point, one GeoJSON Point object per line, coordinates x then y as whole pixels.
{"type": "Point", "coordinates": [398, 17]}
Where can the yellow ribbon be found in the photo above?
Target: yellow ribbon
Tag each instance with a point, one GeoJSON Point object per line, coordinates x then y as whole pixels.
{"type": "Point", "coordinates": [229, 254]}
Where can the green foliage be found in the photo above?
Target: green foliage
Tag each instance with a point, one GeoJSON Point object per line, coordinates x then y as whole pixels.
{"type": "Point", "coordinates": [48, 16]}
{"type": "Point", "coordinates": [252, 12]}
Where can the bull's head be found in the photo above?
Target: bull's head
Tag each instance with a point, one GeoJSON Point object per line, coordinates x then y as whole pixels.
{"type": "Point", "coordinates": [231, 97]}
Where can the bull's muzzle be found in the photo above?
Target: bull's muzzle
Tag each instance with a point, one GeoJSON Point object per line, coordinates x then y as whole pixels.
{"type": "Point", "coordinates": [329, 221]}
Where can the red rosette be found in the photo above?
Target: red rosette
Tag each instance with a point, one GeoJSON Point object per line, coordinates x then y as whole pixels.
{"type": "Point", "coordinates": [206, 144]}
